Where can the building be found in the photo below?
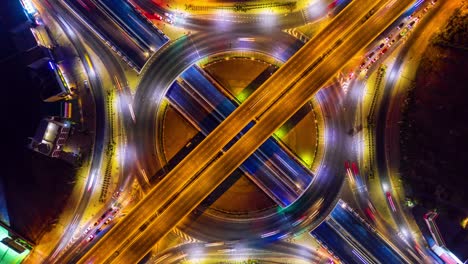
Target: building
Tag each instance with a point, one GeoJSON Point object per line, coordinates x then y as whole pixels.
{"type": "Point", "coordinates": [54, 85]}
{"type": "Point", "coordinates": [37, 57]}
{"type": "Point", "coordinates": [51, 135]}
{"type": "Point", "coordinates": [439, 246]}
{"type": "Point", "coordinates": [13, 247]}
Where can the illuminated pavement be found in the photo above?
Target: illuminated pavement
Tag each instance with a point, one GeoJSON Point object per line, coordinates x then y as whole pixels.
{"type": "Point", "coordinates": [170, 202]}
{"type": "Point", "coordinates": [273, 169]}
{"type": "Point", "coordinates": [171, 213]}
{"type": "Point", "coordinates": [141, 214]}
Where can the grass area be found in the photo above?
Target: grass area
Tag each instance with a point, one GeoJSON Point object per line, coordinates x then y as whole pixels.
{"type": "Point", "coordinates": [434, 130]}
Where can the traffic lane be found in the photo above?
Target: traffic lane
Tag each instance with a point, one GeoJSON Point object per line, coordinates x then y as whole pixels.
{"type": "Point", "coordinates": [367, 238]}
{"type": "Point", "coordinates": [271, 149]}
{"type": "Point", "coordinates": [189, 107]}
{"type": "Point", "coordinates": [194, 196]}
{"type": "Point", "coordinates": [144, 136]}
{"type": "Point", "coordinates": [261, 99]}
{"type": "Point", "coordinates": [186, 201]}
{"type": "Point", "coordinates": [241, 21]}
{"type": "Point", "coordinates": [339, 246]}
{"type": "Point", "coordinates": [109, 30]}
{"type": "Point", "coordinates": [428, 23]}
{"type": "Point", "coordinates": [300, 212]}
{"type": "Point", "coordinates": [265, 177]}
{"type": "Point", "coordinates": [280, 249]}
{"type": "Point", "coordinates": [125, 227]}
{"type": "Point", "coordinates": [244, 147]}
{"type": "Point", "coordinates": [329, 33]}
{"type": "Point", "coordinates": [61, 14]}
{"type": "Point", "coordinates": [292, 70]}
{"type": "Point", "coordinates": [287, 168]}
{"type": "Point", "coordinates": [181, 55]}
{"type": "Point", "coordinates": [217, 138]}
{"type": "Point", "coordinates": [151, 202]}
{"type": "Point", "coordinates": [141, 29]}
{"type": "Point", "coordinates": [286, 109]}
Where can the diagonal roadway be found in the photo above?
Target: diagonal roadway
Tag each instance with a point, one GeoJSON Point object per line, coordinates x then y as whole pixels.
{"type": "Point", "coordinates": [272, 168]}
{"type": "Point", "coordinates": [274, 116]}
{"type": "Point", "coordinates": [146, 211]}
{"type": "Point", "coordinates": [285, 107]}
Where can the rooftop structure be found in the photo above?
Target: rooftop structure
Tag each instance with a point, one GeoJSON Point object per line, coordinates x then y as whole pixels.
{"type": "Point", "coordinates": [51, 134]}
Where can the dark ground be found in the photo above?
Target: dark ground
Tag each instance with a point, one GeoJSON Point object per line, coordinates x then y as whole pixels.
{"type": "Point", "coordinates": [434, 139]}
{"type": "Point", "coordinates": [36, 187]}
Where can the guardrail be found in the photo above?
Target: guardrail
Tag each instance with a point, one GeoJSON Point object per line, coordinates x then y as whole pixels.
{"type": "Point", "coordinates": [371, 119]}
{"type": "Point", "coordinates": [242, 7]}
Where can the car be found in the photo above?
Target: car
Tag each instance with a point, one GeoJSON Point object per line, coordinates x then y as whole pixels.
{"type": "Point", "coordinates": [347, 167]}
{"type": "Point", "coordinates": [369, 214]}
{"type": "Point", "coordinates": [98, 231]}
{"type": "Point", "coordinates": [86, 86]}
{"type": "Point", "coordinates": [88, 239]}
{"type": "Point", "coordinates": [371, 55]}
{"type": "Point", "coordinates": [157, 16]}
{"type": "Point", "coordinates": [108, 220]}
{"type": "Point", "coordinates": [87, 230]}
{"type": "Point", "coordinates": [362, 65]}
{"type": "Point", "coordinates": [384, 50]}
{"type": "Point", "coordinates": [401, 25]}
{"type": "Point", "coordinates": [390, 201]}
{"type": "Point", "coordinates": [96, 223]}
{"type": "Point", "coordinates": [381, 45]}
{"type": "Point", "coordinates": [354, 168]}
{"type": "Point", "coordinates": [117, 194]}
{"type": "Point", "coordinates": [169, 18]}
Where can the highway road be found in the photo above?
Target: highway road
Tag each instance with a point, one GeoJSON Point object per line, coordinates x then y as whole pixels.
{"type": "Point", "coordinates": [225, 250]}
{"type": "Point", "coordinates": [134, 24]}
{"type": "Point", "coordinates": [147, 209]}
{"type": "Point", "coordinates": [341, 244]}
{"type": "Point", "coordinates": [279, 221]}
{"type": "Point", "coordinates": [272, 168]}
{"type": "Point", "coordinates": [156, 87]}
{"type": "Point", "coordinates": [336, 238]}
{"type": "Point", "coordinates": [371, 241]}
{"type": "Point", "coordinates": [240, 22]}
{"type": "Point", "coordinates": [100, 133]}
{"type": "Point", "coordinates": [106, 29]}
{"type": "Point", "coordinates": [171, 211]}
{"type": "Point", "coordinates": [264, 176]}
{"type": "Point", "coordinates": [80, 36]}
{"type": "Point", "coordinates": [388, 159]}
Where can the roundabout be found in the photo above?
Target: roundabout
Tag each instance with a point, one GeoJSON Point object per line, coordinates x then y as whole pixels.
{"type": "Point", "coordinates": [314, 202]}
